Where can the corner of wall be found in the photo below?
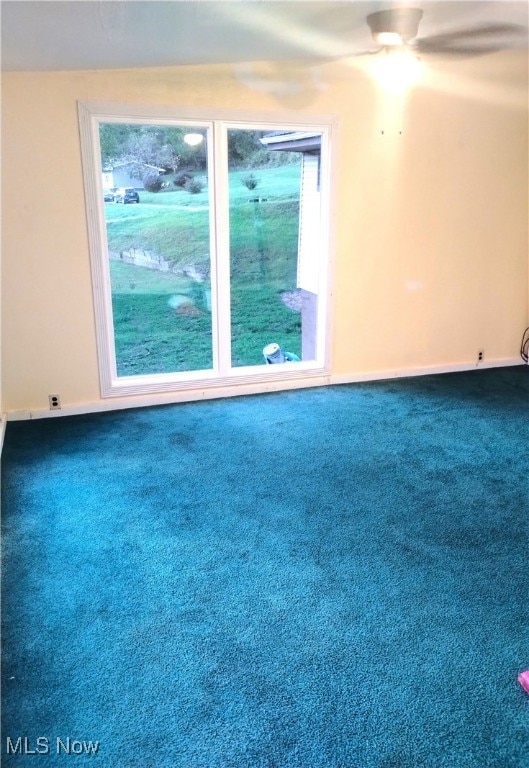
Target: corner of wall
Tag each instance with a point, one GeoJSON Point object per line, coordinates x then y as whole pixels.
{"type": "Point", "coordinates": [3, 421]}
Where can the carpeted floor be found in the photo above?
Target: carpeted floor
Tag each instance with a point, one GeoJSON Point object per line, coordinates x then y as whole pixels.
{"type": "Point", "coordinates": [326, 578]}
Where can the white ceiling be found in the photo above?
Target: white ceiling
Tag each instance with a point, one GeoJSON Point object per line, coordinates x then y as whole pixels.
{"type": "Point", "coordinates": [104, 34]}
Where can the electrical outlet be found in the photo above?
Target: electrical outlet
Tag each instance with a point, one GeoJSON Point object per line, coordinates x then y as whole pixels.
{"type": "Point", "coordinates": [481, 355]}
{"type": "Point", "coordinates": [55, 402]}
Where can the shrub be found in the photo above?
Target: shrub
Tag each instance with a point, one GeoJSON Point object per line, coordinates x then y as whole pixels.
{"type": "Point", "coordinates": [249, 181]}
{"type": "Point", "coordinates": [152, 182]}
{"type": "Point", "coordinates": [194, 186]}
{"type": "Point", "coordinates": [182, 179]}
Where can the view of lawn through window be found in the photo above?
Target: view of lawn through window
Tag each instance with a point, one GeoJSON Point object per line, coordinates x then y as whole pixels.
{"type": "Point", "coordinates": [156, 186]}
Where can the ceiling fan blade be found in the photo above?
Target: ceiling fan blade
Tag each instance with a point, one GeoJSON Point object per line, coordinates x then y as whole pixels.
{"type": "Point", "coordinates": [370, 52]}
{"type": "Point", "coordinates": [478, 35]}
{"type": "Point", "coordinates": [461, 51]}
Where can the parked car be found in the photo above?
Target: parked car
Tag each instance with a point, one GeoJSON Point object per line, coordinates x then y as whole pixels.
{"type": "Point", "coordinates": [126, 195]}
{"type": "Point", "coordinates": [109, 195]}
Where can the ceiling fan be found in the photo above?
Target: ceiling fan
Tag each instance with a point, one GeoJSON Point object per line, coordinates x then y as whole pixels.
{"type": "Point", "coordinates": [393, 30]}
{"type": "Point", "coordinates": [399, 27]}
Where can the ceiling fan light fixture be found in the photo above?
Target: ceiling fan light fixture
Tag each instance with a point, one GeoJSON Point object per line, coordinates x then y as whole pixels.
{"type": "Point", "coordinates": [389, 39]}
{"type": "Point", "coordinates": [400, 22]}
{"type": "Point", "coordinates": [396, 70]}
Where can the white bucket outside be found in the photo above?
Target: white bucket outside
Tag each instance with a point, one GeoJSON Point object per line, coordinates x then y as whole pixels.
{"type": "Point", "coordinates": [273, 354]}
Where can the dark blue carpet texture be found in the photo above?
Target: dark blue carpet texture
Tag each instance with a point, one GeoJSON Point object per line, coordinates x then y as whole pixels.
{"type": "Point", "coordinates": [325, 578]}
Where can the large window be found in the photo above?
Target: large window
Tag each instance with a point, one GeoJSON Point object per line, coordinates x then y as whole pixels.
{"type": "Point", "coordinates": [209, 247]}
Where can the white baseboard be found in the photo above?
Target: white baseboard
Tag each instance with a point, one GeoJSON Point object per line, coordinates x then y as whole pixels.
{"type": "Point", "coordinates": [250, 389]}
{"type": "Point", "coordinates": [426, 370]}
{"type": "Point", "coordinates": [169, 398]}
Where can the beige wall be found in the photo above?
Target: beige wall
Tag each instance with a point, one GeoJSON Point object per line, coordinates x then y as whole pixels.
{"type": "Point", "coordinates": [430, 225]}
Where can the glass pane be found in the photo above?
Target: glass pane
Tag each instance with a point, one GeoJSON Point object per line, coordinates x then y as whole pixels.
{"type": "Point", "coordinates": [274, 245]}
{"type": "Point", "coordinates": [157, 219]}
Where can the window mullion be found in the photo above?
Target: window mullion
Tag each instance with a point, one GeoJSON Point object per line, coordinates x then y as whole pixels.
{"type": "Point", "coordinates": [222, 238]}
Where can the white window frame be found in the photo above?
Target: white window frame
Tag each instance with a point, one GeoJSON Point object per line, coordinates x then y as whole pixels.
{"type": "Point", "coordinates": [91, 115]}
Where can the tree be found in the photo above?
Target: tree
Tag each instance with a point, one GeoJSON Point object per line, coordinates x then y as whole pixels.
{"type": "Point", "coordinates": [164, 146]}
{"type": "Point", "coordinates": [112, 138]}
{"type": "Point", "coordinates": [244, 148]}
{"type": "Point", "coordinates": [158, 145]}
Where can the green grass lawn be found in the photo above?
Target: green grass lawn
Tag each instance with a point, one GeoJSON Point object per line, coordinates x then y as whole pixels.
{"type": "Point", "coordinates": [259, 318]}
{"type": "Point", "coordinates": [180, 235]}
{"type": "Point", "coordinates": [153, 337]}
{"type": "Point", "coordinates": [158, 333]}
{"type": "Point", "coordinates": [281, 183]}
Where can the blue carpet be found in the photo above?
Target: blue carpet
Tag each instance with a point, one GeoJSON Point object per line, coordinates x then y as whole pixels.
{"type": "Point", "coordinates": [326, 578]}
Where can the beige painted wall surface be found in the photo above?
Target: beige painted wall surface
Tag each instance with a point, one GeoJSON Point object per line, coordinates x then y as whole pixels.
{"type": "Point", "coordinates": [430, 216]}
